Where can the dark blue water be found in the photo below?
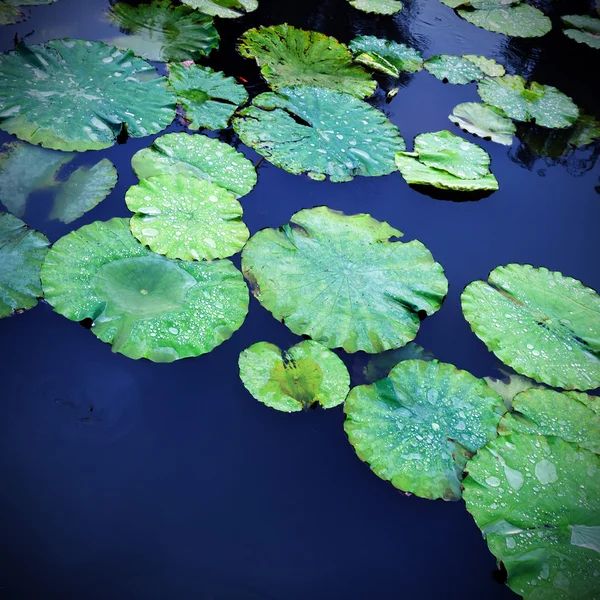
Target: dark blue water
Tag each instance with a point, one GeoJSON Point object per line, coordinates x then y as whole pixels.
{"type": "Point", "coordinates": [131, 480]}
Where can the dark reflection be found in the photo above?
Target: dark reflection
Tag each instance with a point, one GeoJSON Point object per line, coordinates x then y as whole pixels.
{"type": "Point", "coordinates": [451, 195]}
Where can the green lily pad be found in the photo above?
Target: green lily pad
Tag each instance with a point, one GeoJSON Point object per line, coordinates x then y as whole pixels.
{"type": "Point", "coordinates": [529, 101]}
{"type": "Point", "coordinates": [537, 501]}
{"type": "Point", "coordinates": [340, 280]}
{"type": "Point", "coordinates": [198, 156]}
{"type": "Point", "coordinates": [339, 135]}
{"type": "Point", "coordinates": [289, 56]}
{"type": "Point", "coordinates": [162, 32]}
{"type": "Point", "coordinates": [521, 20]}
{"type": "Point", "coordinates": [186, 217]}
{"type": "Point", "coordinates": [572, 416]}
{"type": "Point", "coordinates": [307, 374]}
{"type": "Point", "coordinates": [380, 7]}
{"type": "Point", "coordinates": [484, 121]}
{"type": "Point", "coordinates": [583, 29]}
{"type": "Point", "coordinates": [479, 4]}
{"type": "Point", "coordinates": [417, 427]}
{"type": "Point", "coordinates": [542, 324]}
{"type": "Point", "coordinates": [78, 95]}
{"type": "Point", "coordinates": [22, 252]}
{"type": "Point", "coordinates": [9, 15]}
{"type": "Point", "coordinates": [488, 65]}
{"type": "Point", "coordinates": [208, 97]}
{"type": "Point", "coordinates": [226, 9]}
{"type": "Point", "coordinates": [145, 305]}
{"type": "Point", "coordinates": [399, 56]}
{"type": "Point", "coordinates": [454, 69]}
{"type": "Point", "coordinates": [511, 385]}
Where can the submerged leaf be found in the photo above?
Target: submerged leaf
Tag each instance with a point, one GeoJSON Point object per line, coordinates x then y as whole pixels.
{"type": "Point", "coordinates": [583, 29]}
{"type": "Point", "coordinates": [399, 56]}
{"type": "Point", "coordinates": [521, 20]}
{"type": "Point", "coordinates": [380, 365]}
{"type": "Point", "coordinates": [510, 386]}
{"type": "Point", "coordinates": [227, 9]}
{"type": "Point", "coordinates": [484, 121]}
{"type": "Point", "coordinates": [380, 7]}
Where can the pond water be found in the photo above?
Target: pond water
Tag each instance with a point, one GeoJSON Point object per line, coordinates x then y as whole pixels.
{"type": "Point", "coordinates": [128, 479]}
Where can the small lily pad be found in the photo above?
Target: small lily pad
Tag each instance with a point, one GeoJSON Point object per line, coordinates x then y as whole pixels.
{"type": "Point", "coordinates": [484, 121]}
{"type": "Point", "coordinates": [22, 252]}
{"type": "Point", "coordinates": [9, 15]}
{"type": "Point", "coordinates": [386, 53]}
{"type": "Point", "coordinates": [226, 9]}
{"type": "Point", "coordinates": [511, 385]}
{"type": "Point", "coordinates": [306, 375]}
{"type": "Point", "coordinates": [454, 69]}
{"type": "Point", "coordinates": [417, 427]}
{"type": "Point", "coordinates": [521, 20]}
{"type": "Point", "coordinates": [186, 217]}
{"type": "Point", "coordinates": [380, 7]}
{"type": "Point", "coordinates": [583, 29]}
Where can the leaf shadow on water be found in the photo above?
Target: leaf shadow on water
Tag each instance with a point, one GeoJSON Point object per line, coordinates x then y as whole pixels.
{"type": "Point", "coordinates": [451, 195]}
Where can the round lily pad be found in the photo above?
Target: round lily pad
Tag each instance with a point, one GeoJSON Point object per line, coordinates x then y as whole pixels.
{"type": "Point", "coordinates": [529, 101]}
{"type": "Point", "coordinates": [22, 252]}
{"type": "Point", "coordinates": [484, 121]}
{"type": "Point", "coordinates": [290, 56]}
{"type": "Point", "coordinates": [537, 501]}
{"type": "Point", "coordinates": [542, 324]}
{"type": "Point", "coordinates": [521, 20]}
{"type": "Point", "coordinates": [417, 427]}
{"type": "Point", "coordinates": [197, 156]}
{"type": "Point", "coordinates": [340, 280]}
{"type": "Point", "coordinates": [320, 132]}
{"type": "Point", "coordinates": [186, 217]}
{"type": "Point", "coordinates": [380, 7]}
{"type": "Point", "coordinates": [399, 56]}
{"type": "Point", "coordinates": [78, 95]}
{"type": "Point", "coordinates": [583, 29]}
{"type": "Point", "coordinates": [226, 9]}
{"type": "Point", "coordinates": [306, 375]}
{"type": "Point", "coordinates": [145, 305]}
{"type": "Point", "coordinates": [454, 69]}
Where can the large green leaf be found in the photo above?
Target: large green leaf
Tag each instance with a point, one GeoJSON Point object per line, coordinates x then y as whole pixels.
{"type": "Point", "coordinates": [77, 95]}
{"type": "Point", "coordinates": [227, 9]}
{"type": "Point", "coordinates": [538, 322]}
{"type": "Point", "coordinates": [160, 31]}
{"type": "Point", "coordinates": [340, 280]}
{"type": "Point", "coordinates": [484, 121]}
{"type": "Point", "coordinates": [518, 21]}
{"type": "Point", "coordinates": [380, 7]}
{"type": "Point", "coordinates": [461, 69]}
{"type": "Point", "coordinates": [22, 253]}
{"type": "Point", "coordinates": [289, 56]}
{"type": "Point", "coordinates": [199, 156]}
{"type": "Point", "coordinates": [417, 427]}
{"type": "Point", "coordinates": [537, 501]}
{"type": "Point", "coordinates": [583, 29]}
{"type": "Point", "coordinates": [145, 305]}
{"type": "Point", "coordinates": [320, 132]}
{"type": "Point", "coordinates": [306, 375]}
{"type": "Point", "coordinates": [186, 217]}
{"type": "Point", "coordinates": [208, 97]}
{"type": "Point", "coordinates": [386, 55]}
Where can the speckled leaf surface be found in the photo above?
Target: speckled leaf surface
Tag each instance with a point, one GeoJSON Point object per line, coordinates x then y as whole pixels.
{"type": "Point", "coordinates": [340, 280]}
{"type": "Point", "coordinates": [583, 29]}
{"type": "Point", "coordinates": [380, 7]}
{"type": "Point", "coordinates": [77, 95]}
{"type": "Point", "coordinates": [488, 65]}
{"type": "Point", "coordinates": [305, 375]}
{"type": "Point", "coordinates": [402, 57]}
{"type": "Point", "coordinates": [484, 121]}
{"type": "Point", "coordinates": [208, 97]}
{"type": "Point", "coordinates": [145, 305]}
{"type": "Point", "coordinates": [537, 501]}
{"type": "Point", "coordinates": [542, 324]}
{"type": "Point", "coordinates": [521, 20]}
{"type": "Point", "coordinates": [454, 69]}
{"type": "Point", "coordinates": [417, 427]}
{"type": "Point", "coordinates": [198, 156]}
{"type": "Point", "coordinates": [226, 9]}
{"type": "Point", "coordinates": [22, 252]}
{"type": "Point", "coordinates": [186, 217]}
{"type": "Point", "coordinates": [340, 135]}
{"type": "Point", "coordinates": [289, 56]}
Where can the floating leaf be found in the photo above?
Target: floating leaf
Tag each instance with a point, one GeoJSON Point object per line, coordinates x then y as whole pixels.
{"type": "Point", "coordinates": [488, 65]}
{"type": "Point", "coordinates": [208, 97]}
{"type": "Point", "coordinates": [518, 21]}
{"type": "Point", "coordinates": [22, 253]}
{"type": "Point", "coordinates": [162, 32]}
{"type": "Point", "coordinates": [77, 95]}
{"type": "Point", "coordinates": [484, 121]}
{"type": "Point", "coordinates": [186, 217]}
{"type": "Point", "coordinates": [380, 7]}
{"type": "Point", "coordinates": [538, 322]}
{"type": "Point", "coordinates": [340, 280]}
{"type": "Point", "coordinates": [537, 501]}
{"type": "Point", "coordinates": [320, 131]}
{"type": "Point", "coordinates": [145, 305]}
{"type": "Point", "coordinates": [418, 427]}
{"type": "Point", "coordinates": [198, 156]}
{"type": "Point", "coordinates": [9, 15]}
{"type": "Point", "coordinates": [227, 9]}
{"type": "Point", "coordinates": [510, 386]}
{"type": "Point", "coordinates": [307, 374]}
{"type": "Point", "coordinates": [454, 69]}
{"type": "Point", "coordinates": [583, 29]}
{"type": "Point", "coordinates": [386, 52]}
{"type": "Point", "coordinates": [479, 4]}
{"type": "Point", "coordinates": [288, 56]}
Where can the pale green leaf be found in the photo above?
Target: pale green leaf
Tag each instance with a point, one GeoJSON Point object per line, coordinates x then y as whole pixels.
{"type": "Point", "coordinates": [484, 121]}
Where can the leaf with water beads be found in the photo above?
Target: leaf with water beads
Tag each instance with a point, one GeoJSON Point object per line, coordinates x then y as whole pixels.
{"type": "Point", "coordinates": [380, 7]}
{"type": "Point", "coordinates": [226, 9]}
{"type": "Point", "coordinates": [462, 69]}
{"type": "Point", "coordinates": [484, 121]}
{"type": "Point", "coordinates": [583, 29]}
{"type": "Point", "coordinates": [521, 20]}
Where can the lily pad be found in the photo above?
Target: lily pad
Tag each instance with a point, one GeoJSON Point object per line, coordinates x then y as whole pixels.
{"type": "Point", "coordinates": [145, 305]}
{"type": "Point", "coordinates": [529, 101]}
{"type": "Point", "coordinates": [186, 217]}
{"type": "Point", "coordinates": [537, 501]}
{"type": "Point", "coordinates": [454, 69]}
{"type": "Point", "coordinates": [160, 31]}
{"type": "Point", "coordinates": [226, 9]}
{"type": "Point", "coordinates": [289, 56]}
{"type": "Point", "coordinates": [488, 65]}
{"type": "Point", "coordinates": [583, 29]}
{"type": "Point", "coordinates": [9, 15]}
{"type": "Point", "coordinates": [542, 324]}
{"type": "Point", "coordinates": [22, 252]}
{"type": "Point", "coordinates": [380, 7]}
{"type": "Point", "coordinates": [306, 375]}
{"type": "Point", "coordinates": [392, 55]}
{"type": "Point", "coordinates": [484, 121]}
{"type": "Point", "coordinates": [417, 427]}
{"type": "Point", "coordinates": [208, 97]}
{"type": "Point", "coordinates": [521, 20]}
{"type": "Point", "coordinates": [198, 156]}
{"type": "Point", "coordinates": [320, 132]}
{"type": "Point", "coordinates": [340, 280]}
{"type": "Point", "coordinates": [511, 385]}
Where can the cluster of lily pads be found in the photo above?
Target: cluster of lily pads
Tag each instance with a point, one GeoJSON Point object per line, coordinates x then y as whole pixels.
{"type": "Point", "coordinates": [160, 285]}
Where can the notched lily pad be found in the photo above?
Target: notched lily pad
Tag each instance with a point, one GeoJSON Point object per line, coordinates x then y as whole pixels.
{"type": "Point", "coordinates": [521, 20]}
{"type": "Point", "coordinates": [484, 121]}
{"type": "Point", "coordinates": [385, 56]}
{"type": "Point", "coordinates": [462, 69]}
{"type": "Point", "coordinates": [380, 7]}
{"type": "Point", "coordinates": [226, 9]}
{"type": "Point", "coordinates": [583, 29]}
{"type": "Point", "coordinates": [308, 374]}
